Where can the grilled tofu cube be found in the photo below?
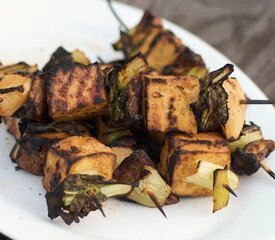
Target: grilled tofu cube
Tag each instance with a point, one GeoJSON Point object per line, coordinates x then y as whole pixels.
{"type": "Point", "coordinates": [14, 90]}
{"type": "Point", "coordinates": [181, 154]}
{"type": "Point", "coordinates": [164, 50]}
{"type": "Point", "coordinates": [236, 110]}
{"type": "Point", "coordinates": [77, 155]}
{"type": "Point", "coordinates": [36, 107]}
{"type": "Point", "coordinates": [166, 103]}
{"type": "Point", "coordinates": [31, 149]}
{"type": "Point", "coordinates": [76, 93]}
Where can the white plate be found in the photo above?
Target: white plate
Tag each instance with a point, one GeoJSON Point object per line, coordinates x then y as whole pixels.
{"type": "Point", "coordinates": [30, 30]}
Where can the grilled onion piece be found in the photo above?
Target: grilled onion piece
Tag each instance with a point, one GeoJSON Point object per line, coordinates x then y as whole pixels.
{"type": "Point", "coordinates": [150, 189]}
{"type": "Point", "coordinates": [204, 176]}
{"type": "Point", "coordinates": [249, 133]}
{"type": "Point", "coordinates": [221, 189]}
{"type": "Point", "coordinates": [14, 90]}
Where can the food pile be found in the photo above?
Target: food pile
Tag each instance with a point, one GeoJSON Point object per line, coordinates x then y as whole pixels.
{"type": "Point", "coordinates": [149, 128]}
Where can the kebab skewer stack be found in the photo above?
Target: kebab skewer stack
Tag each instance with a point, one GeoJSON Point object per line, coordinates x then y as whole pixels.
{"type": "Point", "coordinates": [150, 128]}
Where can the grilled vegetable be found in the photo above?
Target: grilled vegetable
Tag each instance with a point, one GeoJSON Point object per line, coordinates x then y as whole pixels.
{"type": "Point", "coordinates": [236, 111]}
{"type": "Point", "coordinates": [76, 93]}
{"type": "Point", "coordinates": [31, 149]}
{"type": "Point", "coordinates": [211, 109]}
{"type": "Point", "coordinates": [77, 155]}
{"type": "Point", "coordinates": [13, 126]}
{"type": "Point", "coordinates": [150, 189]}
{"type": "Point", "coordinates": [79, 194]}
{"type": "Point", "coordinates": [121, 140]}
{"type": "Point", "coordinates": [140, 36]}
{"type": "Point", "coordinates": [181, 154]}
{"type": "Point", "coordinates": [249, 159]}
{"type": "Point", "coordinates": [204, 176]}
{"type": "Point", "coordinates": [37, 108]}
{"type": "Point", "coordinates": [220, 193]}
{"type": "Point", "coordinates": [121, 153]}
{"type": "Point", "coordinates": [18, 68]}
{"type": "Point", "coordinates": [166, 104]}
{"type": "Point", "coordinates": [192, 69]}
{"type": "Point", "coordinates": [14, 90]}
{"type": "Point", "coordinates": [122, 95]}
{"type": "Point", "coordinates": [65, 59]}
{"type": "Point", "coordinates": [249, 133]}
{"type": "Point", "coordinates": [111, 136]}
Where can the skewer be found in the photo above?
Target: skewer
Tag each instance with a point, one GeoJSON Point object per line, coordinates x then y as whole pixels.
{"type": "Point", "coordinates": [256, 101]}
{"type": "Point", "coordinates": [100, 60]}
{"type": "Point", "coordinates": [267, 169]}
{"type": "Point", "coordinates": [117, 17]}
{"type": "Point", "coordinates": [155, 201]}
{"type": "Point", "coordinates": [229, 189]}
{"type": "Point", "coordinates": [98, 205]}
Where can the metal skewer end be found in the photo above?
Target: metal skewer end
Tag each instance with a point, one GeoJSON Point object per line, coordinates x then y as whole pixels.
{"type": "Point", "coordinates": [116, 16]}
{"type": "Point", "coordinates": [256, 101]}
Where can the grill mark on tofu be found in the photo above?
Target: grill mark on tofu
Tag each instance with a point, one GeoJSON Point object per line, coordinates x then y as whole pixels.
{"type": "Point", "coordinates": [172, 119]}
{"type": "Point", "coordinates": [162, 34]}
{"type": "Point", "coordinates": [204, 142]}
{"type": "Point", "coordinates": [100, 80]}
{"type": "Point", "coordinates": [82, 84]}
{"type": "Point", "coordinates": [159, 80]}
{"type": "Point", "coordinates": [72, 161]}
{"type": "Point", "coordinates": [78, 93]}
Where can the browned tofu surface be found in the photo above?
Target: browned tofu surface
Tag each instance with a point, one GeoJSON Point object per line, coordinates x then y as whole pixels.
{"type": "Point", "coordinates": [76, 93]}
{"type": "Point", "coordinates": [163, 50]}
{"type": "Point", "coordinates": [166, 103]}
{"type": "Point", "coordinates": [235, 122]}
{"type": "Point", "coordinates": [180, 156]}
{"type": "Point", "coordinates": [82, 155]}
{"type": "Point", "coordinates": [37, 108]}
{"type": "Point", "coordinates": [32, 147]}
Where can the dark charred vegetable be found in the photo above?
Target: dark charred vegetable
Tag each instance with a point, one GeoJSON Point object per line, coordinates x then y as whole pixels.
{"type": "Point", "coordinates": [79, 194]}
{"type": "Point", "coordinates": [149, 188]}
{"type": "Point", "coordinates": [125, 89]}
{"type": "Point", "coordinates": [120, 139]}
{"type": "Point", "coordinates": [65, 59]}
{"type": "Point", "coordinates": [211, 109]}
{"type": "Point", "coordinates": [142, 34]}
{"type": "Point", "coordinates": [248, 160]}
{"type": "Point", "coordinates": [187, 63]}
